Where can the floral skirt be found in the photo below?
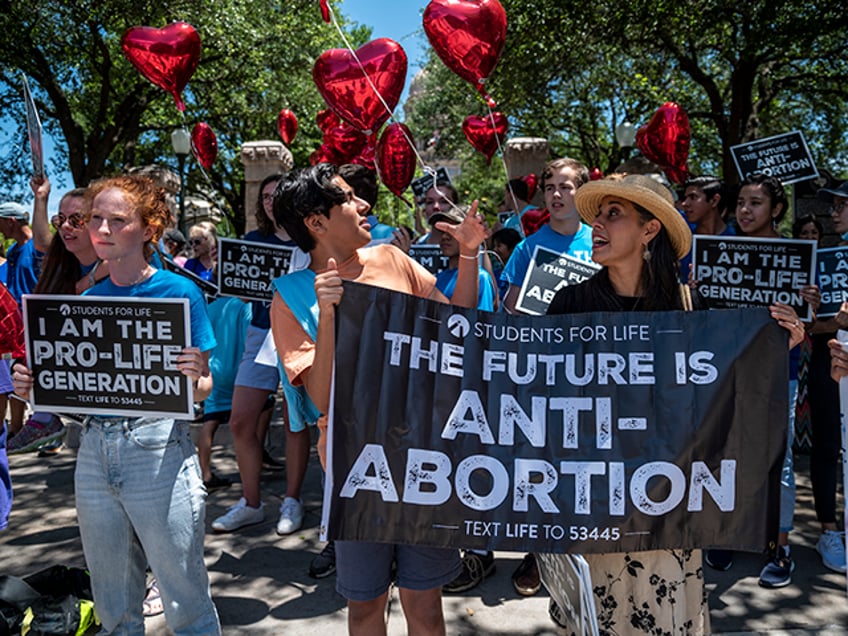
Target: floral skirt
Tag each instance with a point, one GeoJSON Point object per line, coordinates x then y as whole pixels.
{"type": "Point", "coordinates": [654, 592]}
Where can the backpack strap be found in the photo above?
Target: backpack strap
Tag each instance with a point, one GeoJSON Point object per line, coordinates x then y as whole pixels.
{"type": "Point", "coordinates": [297, 290]}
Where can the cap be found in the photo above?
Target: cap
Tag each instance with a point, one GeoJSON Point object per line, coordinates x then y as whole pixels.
{"type": "Point", "coordinates": [12, 210]}
{"type": "Point", "coordinates": [455, 215]}
{"type": "Point", "coordinates": [840, 191]}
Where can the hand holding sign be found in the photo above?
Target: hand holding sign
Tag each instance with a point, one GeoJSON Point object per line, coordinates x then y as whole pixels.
{"type": "Point", "coordinates": [22, 380]}
{"type": "Point", "coordinates": [788, 319]}
{"type": "Point", "coordinates": [328, 287]}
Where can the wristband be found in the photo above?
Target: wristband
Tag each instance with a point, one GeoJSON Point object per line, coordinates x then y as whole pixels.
{"type": "Point", "coordinates": [470, 258]}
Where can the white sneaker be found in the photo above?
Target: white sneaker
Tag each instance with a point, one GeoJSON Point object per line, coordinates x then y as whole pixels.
{"type": "Point", "coordinates": [831, 547]}
{"type": "Point", "coordinates": [239, 516]}
{"type": "Point", "coordinates": [291, 516]}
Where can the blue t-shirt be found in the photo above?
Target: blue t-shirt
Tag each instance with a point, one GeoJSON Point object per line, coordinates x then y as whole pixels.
{"type": "Point", "coordinates": [23, 263]}
{"type": "Point", "coordinates": [577, 245]}
{"type": "Point", "coordinates": [196, 267]}
{"type": "Point", "coordinates": [446, 283]}
{"type": "Point", "coordinates": [230, 318]}
{"type": "Point", "coordinates": [261, 310]}
{"type": "Point", "coordinates": [164, 284]}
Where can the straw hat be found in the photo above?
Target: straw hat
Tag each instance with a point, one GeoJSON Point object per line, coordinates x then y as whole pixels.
{"type": "Point", "coordinates": [643, 191]}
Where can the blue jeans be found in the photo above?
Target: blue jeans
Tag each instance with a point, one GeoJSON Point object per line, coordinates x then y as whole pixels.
{"type": "Point", "coordinates": [140, 499]}
{"type": "Point", "coordinates": [787, 474]}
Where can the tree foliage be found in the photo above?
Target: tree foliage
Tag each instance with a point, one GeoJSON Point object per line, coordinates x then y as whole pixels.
{"type": "Point", "coordinates": [571, 73]}
{"type": "Point", "coordinates": [256, 58]}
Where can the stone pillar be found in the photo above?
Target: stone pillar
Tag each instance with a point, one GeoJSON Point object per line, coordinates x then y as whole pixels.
{"type": "Point", "coordinates": [164, 178]}
{"type": "Point", "coordinates": [261, 158]}
{"type": "Point", "coordinates": [524, 155]}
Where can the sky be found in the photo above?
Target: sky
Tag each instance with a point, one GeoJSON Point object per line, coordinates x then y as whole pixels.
{"type": "Point", "coordinates": [399, 20]}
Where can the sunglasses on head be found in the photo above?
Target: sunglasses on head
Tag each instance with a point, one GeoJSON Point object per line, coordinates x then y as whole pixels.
{"type": "Point", "coordinates": [75, 220]}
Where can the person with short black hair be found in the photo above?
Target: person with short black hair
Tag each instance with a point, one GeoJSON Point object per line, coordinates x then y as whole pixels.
{"type": "Point", "coordinates": [322, 213]}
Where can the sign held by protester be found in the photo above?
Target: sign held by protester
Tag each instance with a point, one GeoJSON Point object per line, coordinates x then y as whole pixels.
{"type": "Point", "coordinates": [430, 257]}
{"type": "Point", "coordinates": [736, 271]}
{"type": "Point", "coordinates": [422, 184]}
{"type": "Point", "coordinates": [247, 269]}
{"type": "Point", "coordinates": [833, 279]}
{"type": "Point", "coordinates": [584, 433]}
{"type": "Point", "coordinates": [785, 156]}
{"type": "Point", "coordinates": [108, 355]}
{"type": "Point", "coordinates": [548, 272]}
{"type": "Point", "coordinates": [34, 132]}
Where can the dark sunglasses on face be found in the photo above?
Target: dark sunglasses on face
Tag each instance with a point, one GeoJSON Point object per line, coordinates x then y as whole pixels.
{"type": "Point", "coordinates": [76, 221]}
{"type": "Point", "coordinates": [196, 241]}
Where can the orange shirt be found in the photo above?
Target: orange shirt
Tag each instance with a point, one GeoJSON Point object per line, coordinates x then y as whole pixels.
{"type": "Point", "coordinates": [381, 266]}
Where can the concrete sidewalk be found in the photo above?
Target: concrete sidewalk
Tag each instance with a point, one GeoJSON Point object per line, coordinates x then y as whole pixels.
{"type": "Point", "coordinates": [261, 587]}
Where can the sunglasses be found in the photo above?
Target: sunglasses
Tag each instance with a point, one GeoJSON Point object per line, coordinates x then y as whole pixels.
{"type": "Point", "coordinates": [196, 241]}
{"type": "Point", "coordinates": [75, 220]}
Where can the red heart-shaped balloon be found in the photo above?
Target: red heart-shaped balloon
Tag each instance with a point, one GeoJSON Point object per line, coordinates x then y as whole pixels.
{"type": "Point", "coordinates": [468, 36]}
{"type": "Point", "coordinates": [665, 141]}
{"type": "Point", "coordinates": [325, 154]}
{"type": "Point", "coordinates": [368, 155]}
{"type": "Point", "coordinates": [396, 158]}
{"type": "Point", "coordinates": [167, 57]}
{"type": "Point", "coordinates": [484, 132]}
{"type": "Point", "coordinates": [287, 125]}
{"type": "Point", "coordinates": [343, 85]}
{"type": "Point", "coordinates": [345, 141]}
{"type": "Point", "coordinates": [204, 144]}
{"type": "Point", "coordinates": [326, 119]}
{"type": "Point", "coordinates": [325, 11]}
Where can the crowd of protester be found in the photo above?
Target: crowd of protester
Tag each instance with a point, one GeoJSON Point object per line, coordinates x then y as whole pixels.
{"type": "Point", "coordinates": [112, 238]}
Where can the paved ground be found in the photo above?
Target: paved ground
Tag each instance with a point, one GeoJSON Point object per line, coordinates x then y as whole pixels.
{"type": "Point", "coordinates": [261, 587]}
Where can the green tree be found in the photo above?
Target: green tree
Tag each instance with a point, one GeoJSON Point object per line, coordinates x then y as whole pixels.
{"type": "Point", "coordinates": [741, 70]}
{"type": "Point", "coordinates": [256, 58]}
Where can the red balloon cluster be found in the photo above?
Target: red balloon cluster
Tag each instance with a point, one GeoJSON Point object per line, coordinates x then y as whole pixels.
{"type": "Point", "coordinates": [468, 36]}
{"type": "Point", "coordinates": [342, 143]}
{"type": "Point", "coordinates": [167, 57]}
{"type": "Point", "coordinates": [396, 158]}
{"type": "Point", "coordinates": [287, 126]}
{"type": "Point", "coordinates": [204, 144]}
{"type": "Point", "coordinates": [485, 133]}
{"type": "Point", "coordinates": [340, 79]}
{"type": "Point", "coordinates": [665, 141]}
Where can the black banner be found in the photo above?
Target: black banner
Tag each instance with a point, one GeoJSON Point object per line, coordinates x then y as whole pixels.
{"type": "Point", "coordinates": [735, 271]}
{"type": "Point", "coordinates": [785, 156]}
{"type": "Point", "coordinates": [248, 270]}
{"type": "Point", "coordinates": [833, 279]}
{"type": "Point", "coordinates": [108, 355]}
{"type": "Point", "coordinates": [548, 272]}
{"type": "Point", "coordinates": [430, 257]}
{"type": "Point", "coordinates": [588, 433]}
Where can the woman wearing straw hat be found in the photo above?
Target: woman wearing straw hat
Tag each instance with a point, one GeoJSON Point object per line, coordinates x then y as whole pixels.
{"type": "Point", "coordinates": [639, 237]}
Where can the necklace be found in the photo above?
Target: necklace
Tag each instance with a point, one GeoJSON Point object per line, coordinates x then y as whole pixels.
{"type": "Point", "coordinates": [145, 273]}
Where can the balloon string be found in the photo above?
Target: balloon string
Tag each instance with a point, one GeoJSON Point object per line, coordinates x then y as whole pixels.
{"type": "Point", "coordinates": [503, 156]}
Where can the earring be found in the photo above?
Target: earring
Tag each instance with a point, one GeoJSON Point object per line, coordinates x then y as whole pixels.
{"type": "Point", "coordinates": [646, 255]}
